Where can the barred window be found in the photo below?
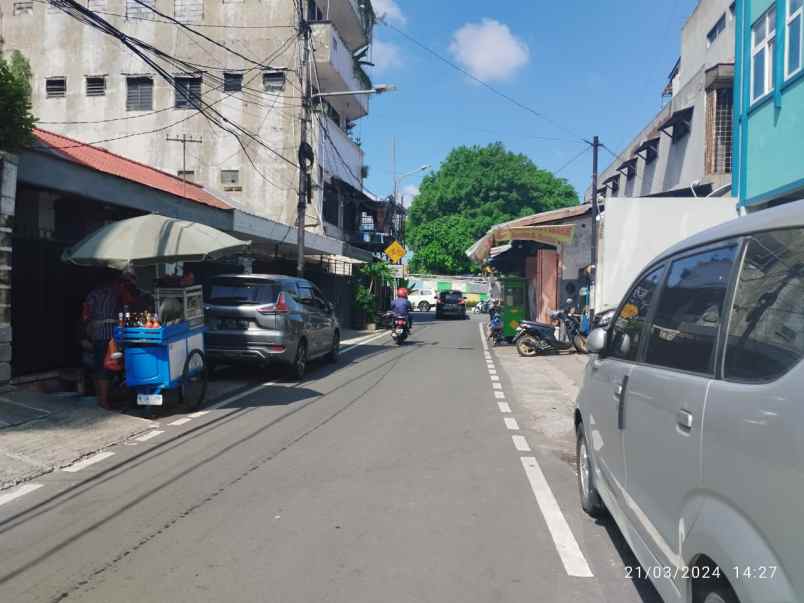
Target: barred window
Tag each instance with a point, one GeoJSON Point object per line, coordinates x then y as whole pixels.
{"type": "Point", "coordinates": [188, 92]}
{"type": "Point", "coordinates": [139, 94]}
{"type": "Point", "coordinates": [232, 82]}
{"type": "Point", "coordinates": [96, 85]}
{"type": "Point", "coordinates": [56, 87]}
{"type": "Point", "coordinates": [96, 5]}
{"type": "Point", "coordinates": [230, 180]}
{"type": "Point", "coordinates": [273, 80]}
{"type": "Point", "coordinates": [719, 104]}
{"type": "Point", "coordinates": [135, 10]}
{"type": "Point", "coordinates": [189, 11]}
{"type": "Point", "coordinates": [23, 8]}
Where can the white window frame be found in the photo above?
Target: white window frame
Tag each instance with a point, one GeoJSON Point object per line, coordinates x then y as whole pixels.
{"type": "Point", "coordinates": [798, 14]}
{"type": "Point", "coordinates": [766, 45]}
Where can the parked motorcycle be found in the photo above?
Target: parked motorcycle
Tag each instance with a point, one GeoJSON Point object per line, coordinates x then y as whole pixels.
{"type": "Point", "coordinates": [534, 338]}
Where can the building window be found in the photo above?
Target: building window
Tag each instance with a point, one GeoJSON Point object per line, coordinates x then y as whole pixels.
{"type": "Point", "coordinates": [56, 87]}
{"type": "Point", "coordinates": [96, 5]}
{"type": "Point", "coordinates": [188, 92]}
{"type": "Point", "coordinates": [188, 175]}
{"type": "Point", "coordinates": [232, 82]}
{"type": "Point", "coordinates": [718, 29]}
{"type": "Point", "coordinates": [763, 40]}
{"type": "Point", "coordinates": [135, 10]}
{"type": "Point", "coordinates": [139, 94]}
{"type": "Point", "coordinates": [23, 8]}
{"type": "Point", "coordinates": [793, 34]}
{"type": "Point", "coordinates": [96, 85]}
{"type": "Point", "coordinates": [719, 105]}
{"type": "Point", "coordinates": [230, 179]}
{"type": "Point", "coordinates": [273, 80]}
{"type": "Point", "coordinates": [188, 11]}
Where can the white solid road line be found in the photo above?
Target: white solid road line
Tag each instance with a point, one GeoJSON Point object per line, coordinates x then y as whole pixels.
{"type": "Point", "coordinates": [503, 406]}
{"type": "Point", "coordinates": [97, 458]}
{"type": "Point", "coordinates": [181, 421]}
{"type": "Point", "coordinates": [149, 436]}
{"type": "Point", "coordinates": [365, 341]}
{"type": "Point", "coordinates": [520, 443]}
{"type": "Point", "coordinates": [510, 423]}
{"type": "Point", "coordinates": [200, 413]}
{"type": "Point", "coordinates": [571, 556]}
{"type": "Point", "coordinates": [21, 491]}
{"type": "Point", "coordinates": [499, 395]}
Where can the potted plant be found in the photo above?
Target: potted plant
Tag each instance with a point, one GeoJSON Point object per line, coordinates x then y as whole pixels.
{"type": "Point", "coordinates": [375, 275]}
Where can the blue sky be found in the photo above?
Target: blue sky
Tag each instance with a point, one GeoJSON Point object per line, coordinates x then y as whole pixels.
{"type": "Point", "coordinates": [590, 67]}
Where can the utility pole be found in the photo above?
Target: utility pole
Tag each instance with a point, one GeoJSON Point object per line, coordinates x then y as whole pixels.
{"type": "Point", "coordinates": [184, 140]}
{"type": "Point", "coordinates": [305, 150]}
{"type": "Point", "coordinates": [595, 216]}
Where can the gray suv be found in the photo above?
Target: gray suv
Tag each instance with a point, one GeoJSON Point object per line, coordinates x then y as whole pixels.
{"type": "Point", "coordinates": [690, 419]}
{"type": "Point", "coordinates": [267, 318]}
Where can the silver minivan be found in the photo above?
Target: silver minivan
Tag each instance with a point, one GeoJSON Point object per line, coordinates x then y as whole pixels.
{"type": "Point", "coordinates": [690, 419]}
{"type": "Point", "coordinates": [269, 318]}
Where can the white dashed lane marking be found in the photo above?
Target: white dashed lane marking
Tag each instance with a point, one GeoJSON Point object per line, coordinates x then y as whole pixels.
{"type": "Point", "coordinates": [503, 406]}
{"type": "Point", "coordinates": [497, 385]}
{"type": "Point", "coordinates": [520, 443]}
{"type": "Point", "coordinates": [87, 462]}
{"type": "Point", "coordinates": [17, 492]}
{"type": "Point", "coordinates": [494, 377]}
{"type": "Point", "coordinates": [150, 435]}
{"type": "Point", "coordinates": [510, 423]}
{"type": "Point", "coordinates": [499, 395]}
{"type": "Point", "coordinates": [181, 421]}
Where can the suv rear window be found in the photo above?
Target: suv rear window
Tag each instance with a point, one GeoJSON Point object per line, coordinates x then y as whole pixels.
{"type": "Point", "coordinates": [451, 297]}
{"type": "Point", "coordinates": [233, 292]}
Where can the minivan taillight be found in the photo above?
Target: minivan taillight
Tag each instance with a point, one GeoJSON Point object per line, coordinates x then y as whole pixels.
{"type": "Point", "coordinates": [280, 307]}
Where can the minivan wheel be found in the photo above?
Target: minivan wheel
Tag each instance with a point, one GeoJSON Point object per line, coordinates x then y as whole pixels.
{"type": "Point", "coordinates": [300, 363]}
{"type": "Point", "coordinates": [335, 351]}
{"type": "Point", "coordinates": [590, 499]}
{"type": "Point", "coordinates": [713, 591]}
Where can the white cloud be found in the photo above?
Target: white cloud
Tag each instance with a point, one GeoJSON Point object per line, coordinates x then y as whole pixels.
{"type": "Point", "coordinates": [408, 194]}
{"type": "Point", "coordinates": [389, 9]}
{"type": "Point", "coordinates": [488, 50]}
{"type": "Point", "coordinates": [385, 56]}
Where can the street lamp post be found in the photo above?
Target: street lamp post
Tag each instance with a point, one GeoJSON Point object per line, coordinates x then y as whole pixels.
{"type": "Point", "coordinates": [399, 179]}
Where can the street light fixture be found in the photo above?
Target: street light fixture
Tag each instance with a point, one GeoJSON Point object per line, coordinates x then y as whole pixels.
{"type": "Point", "coordinates": [378, 89]}
{"type": "Point", "coordinates": [399, 179]}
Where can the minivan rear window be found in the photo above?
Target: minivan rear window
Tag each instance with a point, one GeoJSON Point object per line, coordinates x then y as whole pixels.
{"type": "Point", "coordinates": [233, 292]}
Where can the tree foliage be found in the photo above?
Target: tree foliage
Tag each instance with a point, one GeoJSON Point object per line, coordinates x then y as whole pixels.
{"type": "Point", "coordinates": [15, 103]}
{"type": "Point", "coordinates": [475, 188]}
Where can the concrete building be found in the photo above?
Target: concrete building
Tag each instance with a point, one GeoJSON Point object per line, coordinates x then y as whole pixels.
{"type": "Point", "coordinates": [685, 150]}
{"type": "Point", "coordinates": [90, 87]}
{"type": "Point", "coordinates": [769, 90]}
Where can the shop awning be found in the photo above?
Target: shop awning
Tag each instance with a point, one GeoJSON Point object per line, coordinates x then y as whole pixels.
{"type": "Point", "coordinates": [628, 167]}
{"type": "Point", "coordinates": [554, 234]}
{"type": "Point", "coordinates": [647, 145]}
{"type": "Point", "coordinates": [678, 120]}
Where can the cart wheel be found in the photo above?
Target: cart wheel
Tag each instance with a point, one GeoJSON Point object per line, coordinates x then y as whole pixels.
{"type": "Point", "coordinates": [194, 381]}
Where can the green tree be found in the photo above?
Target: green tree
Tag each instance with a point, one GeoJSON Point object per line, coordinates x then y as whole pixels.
{"type": "Point", "coordinates": [17, 121]}
{"type": "Point", "coordinates": [475, 188]}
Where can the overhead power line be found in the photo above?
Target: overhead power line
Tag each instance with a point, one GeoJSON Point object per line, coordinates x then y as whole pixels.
{"type": "Point", "coordinates": [483, 83]}
{"type": "Point", "coordinates": [571, 161]}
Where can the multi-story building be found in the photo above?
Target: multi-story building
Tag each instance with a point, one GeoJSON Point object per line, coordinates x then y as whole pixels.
{"type": "Point", "coordinates": [769, 90]}
{"type": "Point", "coordinates": [90, 87]}
{"type": "Point", "coordinates": [686, 148]}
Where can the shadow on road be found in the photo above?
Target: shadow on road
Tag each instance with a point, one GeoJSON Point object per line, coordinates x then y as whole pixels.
{"type": "Point", "coordinates": [642, 584]}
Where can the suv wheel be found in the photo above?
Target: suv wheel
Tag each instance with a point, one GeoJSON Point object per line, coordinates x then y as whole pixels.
{"type": "Point", "coordinates": [300, 363]}
{"type": "Point", "coordinates": [335, 351]}
{"type": "Point", "coordinates": [590, 499]}
{"type": "Point", "coordinates": [424, 306]}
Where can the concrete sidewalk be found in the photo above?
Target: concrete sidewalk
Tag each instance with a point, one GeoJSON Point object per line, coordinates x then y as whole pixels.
{"type": "Point", "coordinates": [40, 433]}
{"type": "Point", "coordinates": [547, 387]}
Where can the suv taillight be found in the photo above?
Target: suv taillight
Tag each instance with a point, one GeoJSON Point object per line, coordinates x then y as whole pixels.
{"type": "Point", "coordinates": [462, 301]}
{"type": "Point", "coordinates": [280, 307]}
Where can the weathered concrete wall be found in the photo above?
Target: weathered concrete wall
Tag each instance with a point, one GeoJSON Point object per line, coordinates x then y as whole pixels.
{"type": "Point", "coordinates": [59, 46]}
{"type": "Point", "coordinates": [8, 193]}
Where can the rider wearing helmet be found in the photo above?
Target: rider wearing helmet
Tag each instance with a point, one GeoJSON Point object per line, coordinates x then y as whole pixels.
{"type": "Point", "coordinates": [401, 306]}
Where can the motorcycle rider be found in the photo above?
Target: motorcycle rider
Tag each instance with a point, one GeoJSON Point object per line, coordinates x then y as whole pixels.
{"type": "Point", "coordinates": [402, 307]}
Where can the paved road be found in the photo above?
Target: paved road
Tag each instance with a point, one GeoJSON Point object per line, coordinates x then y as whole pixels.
{"type": "Point", "coordinates": [392, 477]}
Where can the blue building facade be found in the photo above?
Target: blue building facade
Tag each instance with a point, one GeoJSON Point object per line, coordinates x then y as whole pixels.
{"type": "Point", "coordinates": [768, 157]}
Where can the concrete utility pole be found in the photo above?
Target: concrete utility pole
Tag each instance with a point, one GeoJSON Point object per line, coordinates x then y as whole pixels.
{"type": "Point", "coordinates": [184, 140]}
{"type": "Point", "coordinates": [595, 216]}
{"type": "Point", "coordinates": [306, 155]}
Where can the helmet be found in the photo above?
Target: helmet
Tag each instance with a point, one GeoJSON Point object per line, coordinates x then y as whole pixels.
{"type": "Point", "coordinates": [402, 292]}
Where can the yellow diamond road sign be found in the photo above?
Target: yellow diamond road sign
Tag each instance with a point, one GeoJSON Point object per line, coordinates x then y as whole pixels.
{"type": "Point", "coordinates": [395, 251]}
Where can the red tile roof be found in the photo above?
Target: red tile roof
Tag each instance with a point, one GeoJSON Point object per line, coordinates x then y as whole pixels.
{"type": "Point", "coordinates": [110, 163]}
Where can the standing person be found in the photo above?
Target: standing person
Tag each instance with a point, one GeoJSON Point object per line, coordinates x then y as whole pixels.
{"type": "Point", "coordinates": [101, 312]}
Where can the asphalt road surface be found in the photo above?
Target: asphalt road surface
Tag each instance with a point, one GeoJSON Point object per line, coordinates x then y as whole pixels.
{"type": "Point", "coordinates": [398, 475]}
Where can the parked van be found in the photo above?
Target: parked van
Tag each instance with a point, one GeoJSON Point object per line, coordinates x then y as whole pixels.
{"type": "Point", "coordinates": [690, 419]}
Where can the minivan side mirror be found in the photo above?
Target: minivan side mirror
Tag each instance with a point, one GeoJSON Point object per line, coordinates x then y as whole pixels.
{"type": "Point", "coordinates": [597, 340]}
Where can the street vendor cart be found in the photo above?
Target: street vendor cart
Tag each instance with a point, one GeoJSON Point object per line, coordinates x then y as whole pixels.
{"type": "Point", "coordinates": [164, 361]}
{"type": "Point", "coordinates": [169, 357]}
